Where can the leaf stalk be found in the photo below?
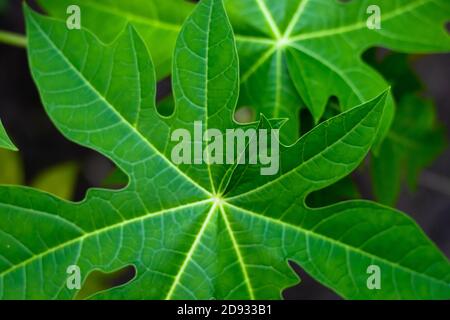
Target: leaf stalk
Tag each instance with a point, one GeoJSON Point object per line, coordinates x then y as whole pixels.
{"type": "Point", "coordinates": [13, 39]}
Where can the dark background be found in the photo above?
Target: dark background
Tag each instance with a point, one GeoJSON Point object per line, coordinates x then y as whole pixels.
{"type": "Point", "coordinates": [42, 146]}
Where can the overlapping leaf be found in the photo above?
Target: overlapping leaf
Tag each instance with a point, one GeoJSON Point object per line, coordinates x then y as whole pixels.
{"type": "Point", "coordinates": [158, 22]}
{"type": "Point", "coordinates": [286, 45]}
{"type": "Point", "coordinates": [413, 143]}
{"type": "Point", "coordinates": [197, 231]}
{"type": "Point", "coordinates": [415, 139]}
{"type": "Point", "coordinates": [319, 44]}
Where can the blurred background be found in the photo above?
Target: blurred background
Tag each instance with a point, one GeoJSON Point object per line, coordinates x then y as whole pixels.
{"type": "Point", "coordinates": [42, 146]}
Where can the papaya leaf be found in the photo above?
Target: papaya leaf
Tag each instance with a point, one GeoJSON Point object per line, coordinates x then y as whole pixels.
{"type": "Point", "coordinates": [158, 22]}
{"type": "Point", "coordinates": [397, 69]}
{"type": "Point", "coordinates": [312, 49]}
{"type": "Point", "coordinates": [285, 45]}
{"type": "Point", "coordinates": [197, 231]}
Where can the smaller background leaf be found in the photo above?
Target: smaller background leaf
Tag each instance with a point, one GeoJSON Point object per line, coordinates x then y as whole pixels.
{"type": "Point", "coordinates": [414, 142]}
{"type": "Point", "coordinates": [342, 190]}
{"type": "Point", "coordinates": [11, 167]}
{"type": "Point", "coordinates": [3, 5]}
{"type": "Point", "coordinates": [116, 179]}
{"type": "Point", "coordinates": [59, 180]}
{"type": "Point", "coordinates": [416, 138]}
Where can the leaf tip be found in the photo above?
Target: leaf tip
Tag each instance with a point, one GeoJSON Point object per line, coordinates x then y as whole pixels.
{"type": "Point", "coordinates": [27, 10]}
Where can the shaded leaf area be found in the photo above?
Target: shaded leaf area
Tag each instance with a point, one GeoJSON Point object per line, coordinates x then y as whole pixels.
{"type": "Point", "coordinates": [197, 231]}
{"type": "Point", "coordinates": [59, 180]}
{"type": "Point", "coordinates": [3, 5]}
{"type": "Point", "coordinates": [342, 190]}
{"type": "Point", "coordinates": [98, 281]}
{"type": "Point", "coordinates": [416, 137]}
{"type": "Point", "coordinates": [413, 144]}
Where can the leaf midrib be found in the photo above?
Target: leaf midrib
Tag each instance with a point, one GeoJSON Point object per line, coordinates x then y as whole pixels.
{"type": "Point", "coordinates": [238, 252]}
{"type": "Point", "coordinates": [208, 40]}
{"type": "Point", "coordinates": [191, 251]}
{"type": "Point", "coordinates": [359, 25]}
{"type": "Point", "coordinates": [46, 214]}
{"type": "Point", "coordinates": [87, 235]}
{"type": "Point", "coordinates": [336, 242]}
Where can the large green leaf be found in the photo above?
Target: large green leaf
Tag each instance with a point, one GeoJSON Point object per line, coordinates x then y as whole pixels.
{"type": "Point", "coordinates": [315, 47]}
{"type": "Point", "coordinates": [158, 22]}
{"type": "Point", "coordinates": [5, 141]}
{"type": "Point", "coordinates": [197, 231]}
